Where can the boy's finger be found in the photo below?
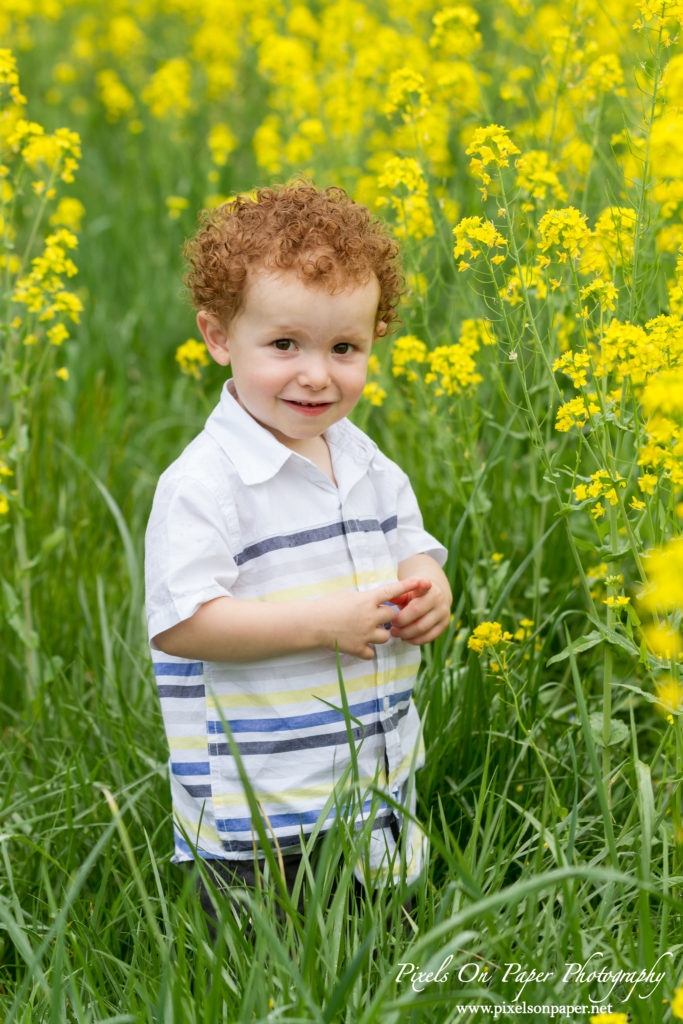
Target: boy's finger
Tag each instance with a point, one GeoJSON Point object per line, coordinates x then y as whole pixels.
{"type": "Point", "coordinates": [410, 614]}
{"type": "Point", "coordinates": [405, 599]}
{"type": "Point", "coordinates": [391, 591]}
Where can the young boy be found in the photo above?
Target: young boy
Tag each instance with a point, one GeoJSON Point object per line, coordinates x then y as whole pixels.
{"type": "Point", "coordinates": [282, 532]}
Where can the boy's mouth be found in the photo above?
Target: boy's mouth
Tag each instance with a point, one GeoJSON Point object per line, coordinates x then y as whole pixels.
{"type": "Point", "coordinates": [307, 408]}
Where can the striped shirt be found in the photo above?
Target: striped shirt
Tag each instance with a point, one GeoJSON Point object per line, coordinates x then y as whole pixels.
{"type": "Point", "coordinates": [239, 514]}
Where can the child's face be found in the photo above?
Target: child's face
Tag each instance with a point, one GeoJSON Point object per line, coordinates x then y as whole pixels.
{"type": "Point", "coordinates": [299, 354]}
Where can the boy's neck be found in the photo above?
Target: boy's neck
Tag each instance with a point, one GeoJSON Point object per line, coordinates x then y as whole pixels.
{"type": "Point", "coordinates": [317, 451]}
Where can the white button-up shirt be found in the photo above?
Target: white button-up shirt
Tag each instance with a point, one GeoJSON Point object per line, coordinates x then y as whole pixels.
{"type": "Point", "coordinates": [239, 514]}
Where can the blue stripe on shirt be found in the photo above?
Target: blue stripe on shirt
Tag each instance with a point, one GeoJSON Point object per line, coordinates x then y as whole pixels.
{"type": "Point", "coordinates": [314, 535]}
{"type": "Point", "coordinates": [288, 819]}
{"type": "Point", "coordinates": [178, 668]}
{"type": "Point", "coordinates": [292, 722]}
{"type": "Point", "coordinates": [181, 691]}
{"type": "Point", "coordinates": [190, 767]}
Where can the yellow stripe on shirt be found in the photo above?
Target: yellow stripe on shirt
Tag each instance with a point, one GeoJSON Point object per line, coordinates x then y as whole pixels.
{"type": "Point", "coordinates": [309, 693]}
{"type": "Point", "coordinates": [319, 587]}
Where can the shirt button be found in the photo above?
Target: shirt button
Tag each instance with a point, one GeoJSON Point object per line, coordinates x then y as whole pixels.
{"type": "Point", "coordinates": [386, 704]}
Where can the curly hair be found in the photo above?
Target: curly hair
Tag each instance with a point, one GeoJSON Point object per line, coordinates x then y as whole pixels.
{"type": "Point", "coordinates": [322, 234]}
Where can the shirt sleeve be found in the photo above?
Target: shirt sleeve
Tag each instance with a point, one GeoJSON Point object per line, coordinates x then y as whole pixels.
{"type": "Point", "coordinates": [412, 538]}
{"type": "Point", "coordinates": [188, 553]}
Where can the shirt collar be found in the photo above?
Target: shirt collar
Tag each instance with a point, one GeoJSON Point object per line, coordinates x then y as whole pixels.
{"type": "Point", "coordinates": [257, 455]}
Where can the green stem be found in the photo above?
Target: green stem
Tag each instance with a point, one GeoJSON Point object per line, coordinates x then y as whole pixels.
{"type": "Point", "coordinates": [23, 571]}
{"type": "Point", "coordinates": [640, 212]}
{"type": "Point", "coordinates": [607, 665]}
{"type": "Point", "coordinates": [527, 734]}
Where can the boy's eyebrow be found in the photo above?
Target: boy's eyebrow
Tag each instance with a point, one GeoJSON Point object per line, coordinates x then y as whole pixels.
{"type": "Point", "coordinates": [284, 330]}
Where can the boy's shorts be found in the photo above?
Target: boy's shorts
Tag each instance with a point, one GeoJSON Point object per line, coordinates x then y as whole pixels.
{"type": "Point", "coordinates": [230, 877]}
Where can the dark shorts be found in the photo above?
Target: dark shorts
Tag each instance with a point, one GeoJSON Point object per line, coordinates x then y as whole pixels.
{"type": "Point", "coordinates": [228, 879]}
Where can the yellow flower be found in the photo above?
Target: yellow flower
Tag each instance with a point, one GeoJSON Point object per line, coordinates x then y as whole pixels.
{"type": "Point", "coordinates": [664, 570]}
{"type": "Point", "coordinates": [616, 602]}
{"type": "Point", "coordinates": [222, 142]}
{"type": "Point", "coordinates": [455, 31]}
{"type": "Point", "coordinates": [677, 1003]}
{"type": "Point", "coordinates": [575, 412]}
{"type": "Point", "coordinates": [489, 146]}
{"type": "Point", "coordinates": [474, 233]}
{"type": "Point", "coordinates": [57, 334]}
{"type": "Point", "coordinates": [564, 230]}
{"type": "Point", "coordinates": [167, 93]}
{"type": "Point", "coordinates": [407, 349]}
{"type": "Point", "coordinates": [647, 483]}
{"type": "Point", "coordinates": [69, 213]}
{"type": "Point", "coordinates": [452, 368]}
{"type": "Point", "coordinates": [536, 178]}
{"type": "Point", "coordinates": [662, 640]}
{"type": "Point", "coordinates": [664, 394]}
{"type": "Point", "coordinates": [609, 1018]}
{"type": "Point", "coordinates": [374, 393]}
{"type": "Point", "coordinates": [175, 205]}
{"type": "Point", "coordinates": [62, 373]}
{"type": "Point", "coordinates": [191, 357]}
{"type": "Point", "coordinates": [487, 634]}
{"type": "Point", "coordinates": [113, 95]}
{"type": "Point", "coordinates": [405, 178]}
{"type": "Point", "coordinates": [669, 694]}
{"type": "Point", "coordinates": [497, 556]}
{"type": "Point", "coordinates": [4, 505]}
{"type": "Point", "coordinates": [406, 90]}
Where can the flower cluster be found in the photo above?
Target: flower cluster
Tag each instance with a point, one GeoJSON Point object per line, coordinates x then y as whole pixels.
{"type": "Point", "coordinates": [600, 485]}
{"type": "Point", "coordinates": [405, 179]}
{"type": "Point", "coordinates": [450, 368]}
{"type": "Point", "coordinates": [192, 357]}
{"type": "Point", "coordinates": [167, 93]}
{"type": "Point", "coordinates": [475, 236]}
{"type": "Point", "coordinates": [489, 147]}
{"type": "Point", "coordinates": [664, 567]}
{"type": "Point", "coordinates": [42, 290]}
{"type": "Point", "coordinates": [35, 298]}
{"type": "Point", "coordinates": [488, 634]}
{"type": "Point", "coordinates": [564, 231]}
{"type": "Point", "coordinates": [407, 349]}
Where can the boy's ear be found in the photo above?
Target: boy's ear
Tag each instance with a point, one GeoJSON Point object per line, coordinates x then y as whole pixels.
{"type": "Point", "coordinates": [215, 336]}
{"type": "Point", "coordinates": [380, 330]}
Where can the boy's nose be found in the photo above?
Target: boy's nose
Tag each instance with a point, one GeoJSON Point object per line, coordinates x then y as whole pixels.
{"type": "Point", "coordinates": [314, 373]}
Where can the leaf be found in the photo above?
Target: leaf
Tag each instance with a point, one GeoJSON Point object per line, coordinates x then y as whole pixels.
{"type": "Point", "coordinates": [646, 810]}
{"type": "Point", "coordinates": [617, 639]}
{"type": "Point", "coordinates": [15, 617]}
{"type": "Point", "coordinates": [618, 731]}
{"type": "Point", "coordinates": [53, 540]}
{"type": "Point", "coordinates": [584, 643]}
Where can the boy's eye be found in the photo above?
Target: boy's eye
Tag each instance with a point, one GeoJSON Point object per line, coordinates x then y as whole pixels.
{"type": "Point", "coordinates": [284, 344]}
{"type": "Point", "coordinates": [343, 348]}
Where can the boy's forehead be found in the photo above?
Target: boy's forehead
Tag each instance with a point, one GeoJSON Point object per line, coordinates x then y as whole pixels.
{"type": "Point", "coordinates": [284, 292]}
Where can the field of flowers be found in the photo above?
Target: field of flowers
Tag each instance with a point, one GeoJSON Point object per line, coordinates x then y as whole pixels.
{"type": "Point", "coordinates": [529, 156]}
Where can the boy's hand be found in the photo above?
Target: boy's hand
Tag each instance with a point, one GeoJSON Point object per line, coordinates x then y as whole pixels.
{"type": "Point", "coordinates": [424, 615]}
{"type": "Point", "coordinates": [355, 620]}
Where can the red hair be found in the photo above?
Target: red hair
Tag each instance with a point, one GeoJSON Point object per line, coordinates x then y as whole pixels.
{"type": "Point", "coordinates": [322, 234]}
